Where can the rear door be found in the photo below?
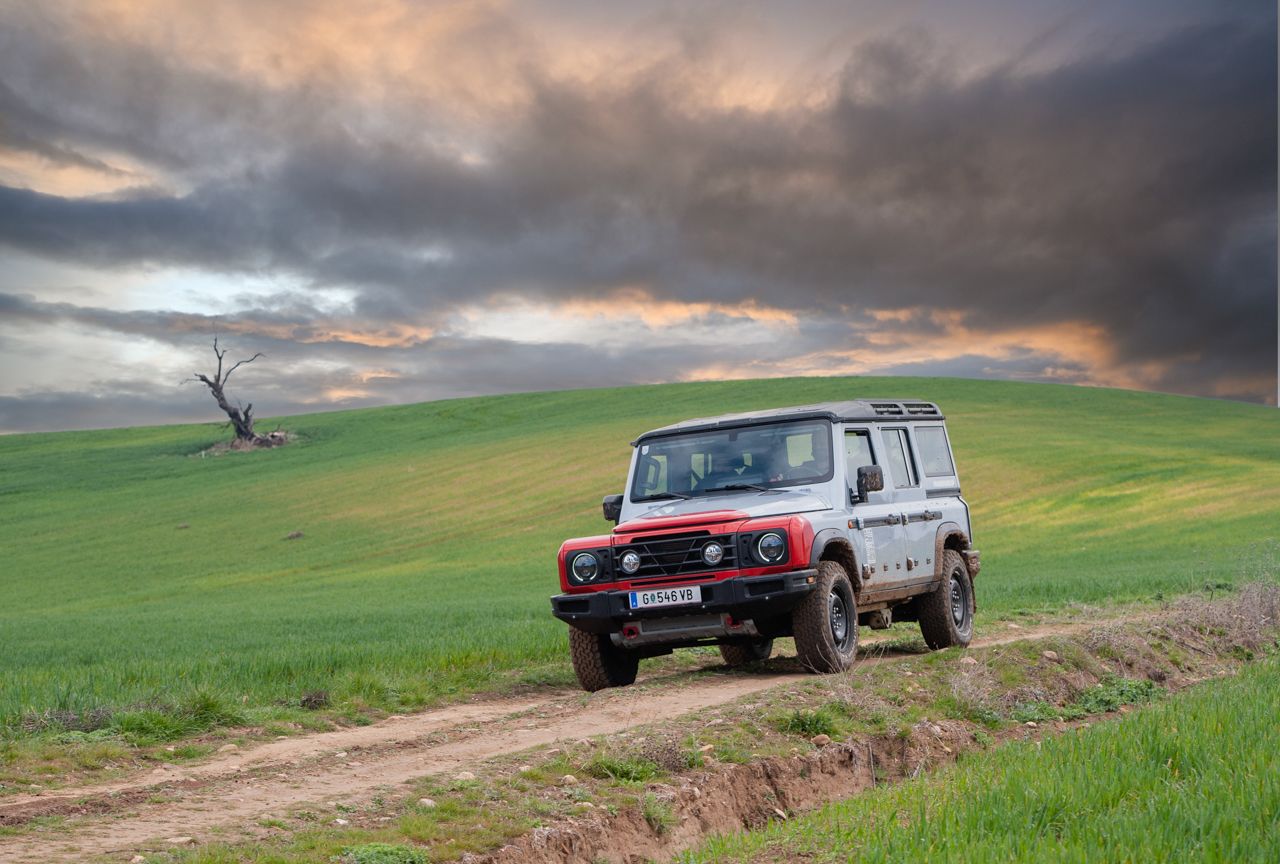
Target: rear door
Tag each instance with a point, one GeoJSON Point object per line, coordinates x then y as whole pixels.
{"type": "Point", "coordinates": [918, 521]}
{"type": "Point", "coordinates": [941, 483]}
{"type": "Point", "coordinates": [876, 521]}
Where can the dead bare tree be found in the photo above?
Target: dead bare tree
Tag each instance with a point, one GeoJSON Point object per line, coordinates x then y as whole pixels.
{"type": "Point", "coordinates": [241, 418]}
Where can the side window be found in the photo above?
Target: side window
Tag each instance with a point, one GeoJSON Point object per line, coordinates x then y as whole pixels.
{"type": "Point", "coordinates": [904, 470]}
{"type": "Point", "coordinates": [935, 456]}
{"type": "Point", "coordinates": [857, 453]}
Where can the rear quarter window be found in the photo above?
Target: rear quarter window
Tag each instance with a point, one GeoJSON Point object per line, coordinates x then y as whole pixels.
{"type": "Point", "coordinates": [935, 455]}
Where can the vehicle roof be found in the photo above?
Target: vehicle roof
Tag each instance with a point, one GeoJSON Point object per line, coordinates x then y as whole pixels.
{"type": "Point", "coordinates": [855, 409]}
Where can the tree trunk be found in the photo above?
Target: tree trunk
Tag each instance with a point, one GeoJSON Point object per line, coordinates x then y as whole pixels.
{"type": "Point", "coordinates": [241, 420]}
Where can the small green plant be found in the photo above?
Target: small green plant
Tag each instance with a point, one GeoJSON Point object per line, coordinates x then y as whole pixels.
{"type": "Point", "coordinates": [969, 709]}
{"type": "Point", "coordinates": [657, 813]}
{"type": "Point", "coordinates": [204, 710]}
{"type": "Point", "coordinates": [1034, 712]}
{"type": "Point", "coordinates": [1114, 691]}
{"type": "Point", "coordinates": [382, 853]}
{"type": "Point", "coordinates": [141, 728]}
{"type": "Point", "coordinates": [693, 757]}
{"type": "Point", "coordinates": [806, 722]}
{"type": "Point", "coordinates": [605, 766]}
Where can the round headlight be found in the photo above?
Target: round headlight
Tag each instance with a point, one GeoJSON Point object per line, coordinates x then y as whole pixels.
{"type": "Point", "coordinates": [585, 567]}
{"type": "Point", "coordinates": [713, 553]}
{"type": "Point", "coordinates": [630, 562]}
{"type": "Point", "coordinates": [771, 547]}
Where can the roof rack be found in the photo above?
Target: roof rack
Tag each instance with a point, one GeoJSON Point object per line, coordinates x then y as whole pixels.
{"type": "Point", "coordinates": [904, 410]}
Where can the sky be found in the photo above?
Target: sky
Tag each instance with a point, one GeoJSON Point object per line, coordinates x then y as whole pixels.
{"type": "Point", "coordinates": [397, 201]}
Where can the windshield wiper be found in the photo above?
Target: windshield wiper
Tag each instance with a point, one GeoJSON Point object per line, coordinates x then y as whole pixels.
{"type": "Point", "coordinates": [739, 486]}
{"type": "Point", "coordinates": [682, 496]}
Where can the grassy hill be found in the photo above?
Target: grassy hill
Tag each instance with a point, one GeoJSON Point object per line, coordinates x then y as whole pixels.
{"type": "Point", "coordinates": [136, 572]}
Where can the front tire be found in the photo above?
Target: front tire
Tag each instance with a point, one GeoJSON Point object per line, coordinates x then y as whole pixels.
{"type": "Point", "coordinates": [825, 624]}
{"type": "Point", "coordinates": [599, 663]}
{"type": "Point", "coordinates": [744, 653]}
{"type": "Point", "coordinates": [946, 615]}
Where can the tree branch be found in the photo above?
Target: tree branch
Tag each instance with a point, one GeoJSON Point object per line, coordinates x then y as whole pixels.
{"type": "Point", "coordinates": [241, 363]}
{"type": "Point", "coordinates": [220, 354]}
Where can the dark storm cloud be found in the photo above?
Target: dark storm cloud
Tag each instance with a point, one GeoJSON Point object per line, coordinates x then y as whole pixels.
{"type": "Point", "coordinates": [1132, 189]}
{"type": "Point", "coordinates": [60, 90]}
{"type": "Point", "coordinates": [291, 323]}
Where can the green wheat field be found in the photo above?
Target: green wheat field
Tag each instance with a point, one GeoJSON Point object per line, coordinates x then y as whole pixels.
{"type": "Point", "coordinates": [1194, 779]}
{"type": "Point", "coordinates": [137, 574]}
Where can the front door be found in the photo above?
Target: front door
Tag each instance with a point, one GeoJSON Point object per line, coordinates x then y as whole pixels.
{"type": "Point", "coordinates": [876, 522]}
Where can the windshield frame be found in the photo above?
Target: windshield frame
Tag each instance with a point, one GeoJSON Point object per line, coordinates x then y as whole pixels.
{"type": "Point", "coordinates": [825, 434]}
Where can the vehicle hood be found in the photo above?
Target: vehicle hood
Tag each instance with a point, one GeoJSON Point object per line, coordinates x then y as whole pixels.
{"type": "Point", "coordinates": [779, 502]}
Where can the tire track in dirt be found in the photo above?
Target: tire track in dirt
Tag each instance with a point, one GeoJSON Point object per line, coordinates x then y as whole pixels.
{"type": "Point", "coordinates": [233, 791]}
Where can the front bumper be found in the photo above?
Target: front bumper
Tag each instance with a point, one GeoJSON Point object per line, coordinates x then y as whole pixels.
{"type": "Point", "coordinates": [743, 597]}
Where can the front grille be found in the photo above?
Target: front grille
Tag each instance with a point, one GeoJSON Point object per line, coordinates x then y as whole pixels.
{"type": "Point", "coordinates": [676, 555]}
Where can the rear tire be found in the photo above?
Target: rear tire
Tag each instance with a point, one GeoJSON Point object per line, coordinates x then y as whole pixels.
{"type": "Point", "coordinates": [744, 653]}
{"type": "Point", "coordinates": [825, 624]}
{"type": "Point", "coordinates": [946, 615]}
{"type": "Point", "coordinates": [599, 663]}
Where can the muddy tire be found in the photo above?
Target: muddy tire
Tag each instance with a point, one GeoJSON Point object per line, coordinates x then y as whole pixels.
{"type": "Point", "coordinates": [825, 624]}
{"type": "Point", "coordinates": [743, 653]}
{"type": "Point", "coordinates": [946, 615]}
{"type": "Point", "coordinates": [598, 663]}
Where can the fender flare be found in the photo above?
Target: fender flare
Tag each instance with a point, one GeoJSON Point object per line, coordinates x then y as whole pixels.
{"type": "Point", "coordinates": [832, 544]}
{"type": "Point", "coordinates": [950, 536]}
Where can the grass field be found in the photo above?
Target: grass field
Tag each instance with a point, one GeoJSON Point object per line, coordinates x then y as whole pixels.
{"type": "Point", "coordinates": [136, 574]}
{"type": "Point", "coordinates": [1195, 778]}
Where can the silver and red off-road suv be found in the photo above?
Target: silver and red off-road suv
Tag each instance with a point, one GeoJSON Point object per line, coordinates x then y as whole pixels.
{"type": "Point", "coordinates": [802, 522]}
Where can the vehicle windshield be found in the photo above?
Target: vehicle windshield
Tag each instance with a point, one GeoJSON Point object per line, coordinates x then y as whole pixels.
{"type": "Point", "coordinates": [760, 458]}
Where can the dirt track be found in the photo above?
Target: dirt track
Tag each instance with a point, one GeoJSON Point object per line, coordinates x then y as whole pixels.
{"type": "Point", "coordinates": [232, 791]}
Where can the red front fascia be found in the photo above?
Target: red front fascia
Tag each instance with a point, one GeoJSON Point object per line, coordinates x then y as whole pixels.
{"type": "Point", "coordinates": [799, 543]}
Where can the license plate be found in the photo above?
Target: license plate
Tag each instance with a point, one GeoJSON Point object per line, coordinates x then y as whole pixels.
{"type": "Point", "coordinates": [664, 597]}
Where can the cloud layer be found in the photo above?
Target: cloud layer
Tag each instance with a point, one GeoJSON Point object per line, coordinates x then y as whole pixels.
{"type": "Point", "coordinates": [479, 203]}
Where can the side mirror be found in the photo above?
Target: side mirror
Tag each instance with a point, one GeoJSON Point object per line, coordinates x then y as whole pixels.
{"type": "Point", "coordinates": [870, 479]}
{"type": "Point", "coordinates": [612, 506]}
